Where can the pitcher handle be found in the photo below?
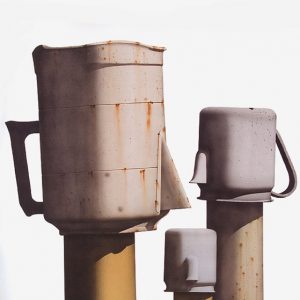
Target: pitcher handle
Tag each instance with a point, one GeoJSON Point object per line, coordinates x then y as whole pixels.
{"type": "Point", "coordinates": [18, 132]}
{"type": "Point", "coordinates": [289, 167]}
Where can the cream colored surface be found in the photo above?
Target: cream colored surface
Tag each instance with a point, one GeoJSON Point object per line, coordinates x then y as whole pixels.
{"type": "Point", "coordinates": [100, 138]}
{"type": "Point", "coordinates": [172, 191]}
{"type": "Point", "coordinates": [102, 122]}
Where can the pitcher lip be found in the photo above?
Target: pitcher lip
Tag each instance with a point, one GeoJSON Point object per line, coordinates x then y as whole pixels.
{"type": "Point", "coordinates": [109, 42]}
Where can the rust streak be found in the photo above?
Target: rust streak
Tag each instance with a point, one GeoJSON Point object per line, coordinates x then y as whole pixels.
{"type": "Point", "coordinates": [118, 114]}
{"type": "Point", "coordinates": [149, 111]}
{"type": "Point", "coordinates": [144, 187]}
{"type": "Point", "coordinates": [142, 172]}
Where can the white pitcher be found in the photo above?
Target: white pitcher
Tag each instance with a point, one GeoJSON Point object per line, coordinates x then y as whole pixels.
{"type": "Point", "coordinates": [105, 163]}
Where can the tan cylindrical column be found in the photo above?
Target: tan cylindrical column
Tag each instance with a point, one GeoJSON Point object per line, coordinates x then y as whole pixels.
{"type": "Point", "coordinates": [192, 296]}
{"type": "Point", "coordinates": [239, 228]}
{"type": "Point", "coordinates": [100, 267]}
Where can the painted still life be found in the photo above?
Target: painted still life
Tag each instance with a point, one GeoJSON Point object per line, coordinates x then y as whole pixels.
{"type": "Point", "coordinates": [108, 173]}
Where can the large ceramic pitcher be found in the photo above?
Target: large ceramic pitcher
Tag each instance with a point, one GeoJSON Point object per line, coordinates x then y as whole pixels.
{"type": "Point", "coordinates": [102, 137]}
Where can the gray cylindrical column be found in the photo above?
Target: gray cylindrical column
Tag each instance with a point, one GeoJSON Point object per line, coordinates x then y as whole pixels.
{"type": "Point", "coordinates": [239, 228]}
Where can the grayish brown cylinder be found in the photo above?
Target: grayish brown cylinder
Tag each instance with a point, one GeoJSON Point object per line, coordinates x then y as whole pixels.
{"type": "Point", "coordinates": [239, 228]}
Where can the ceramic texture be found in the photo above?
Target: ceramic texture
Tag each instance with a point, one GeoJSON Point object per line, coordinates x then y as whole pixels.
{"type": "Point", "coordinates": [102, 133]}
{"type": "Point", "coordinates": [190, 260]}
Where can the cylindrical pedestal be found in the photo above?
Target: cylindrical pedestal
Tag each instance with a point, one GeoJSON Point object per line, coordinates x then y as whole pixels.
{"type": "Point", "coordinates": [100, 267]}
{"type": "Point", "coordinates": [192, 296]}
{"type": "Point", "coordinates": [239, 228]}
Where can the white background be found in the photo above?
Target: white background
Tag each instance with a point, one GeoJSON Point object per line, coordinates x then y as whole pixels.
{"type": "Point", "coordinates": [242, 53]}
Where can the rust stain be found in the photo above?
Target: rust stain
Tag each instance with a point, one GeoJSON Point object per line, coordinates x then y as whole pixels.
{"type": "Point", "coordinates": [117, 106]}
{"type": "Point", "coordinates": [149, 111]}
{"type": "Point", "coordinates": [142, 172]}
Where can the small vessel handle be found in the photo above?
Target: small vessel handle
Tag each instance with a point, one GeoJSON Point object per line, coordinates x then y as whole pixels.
{"type": "Point", "coordinates": [289, 167]}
